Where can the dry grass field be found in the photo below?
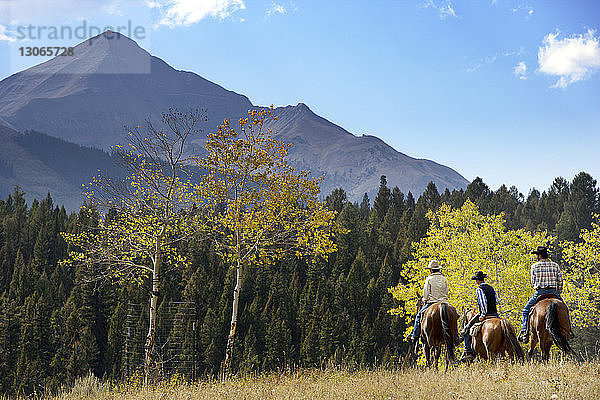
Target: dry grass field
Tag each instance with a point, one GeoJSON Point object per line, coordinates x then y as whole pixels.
{"type": "Point", "coordinates": [554, 380]}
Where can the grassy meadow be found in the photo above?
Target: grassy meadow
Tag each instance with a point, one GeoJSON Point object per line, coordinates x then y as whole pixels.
{"type": "Point", "coordinates": [554, 380]}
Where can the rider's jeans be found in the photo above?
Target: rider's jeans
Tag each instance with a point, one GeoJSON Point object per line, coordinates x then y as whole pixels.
{"type": "Point", "coordinates": [417, 328]}
{"type": "Point", "coordinates": [468, 343]}
{"type": "Point", "coordinates": [532, 302]}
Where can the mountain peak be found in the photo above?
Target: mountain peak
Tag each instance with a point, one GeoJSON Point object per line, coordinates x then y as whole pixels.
{"type": "Point", "coordinates": [116, 39]}
{"type": "Point", "coordinates": [107, 53]}
{"type": "Point", "coordinates": [304, 109]}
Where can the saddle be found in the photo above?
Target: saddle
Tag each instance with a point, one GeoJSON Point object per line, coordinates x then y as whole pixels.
{"type": "Point", "coordinates": [542, 297]}
{"type": "Point", "coordinates": [547, 296]}
{"type": "Point", "coordinates": [477, 325]}
{"type": "Point", "coordinates": [476, 328]}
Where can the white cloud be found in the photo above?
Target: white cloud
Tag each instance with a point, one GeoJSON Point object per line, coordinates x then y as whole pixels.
{"type": "Point", "coordinates": [187, 12]}
{"type": "Point", "coordinates": [571, 59]}
{"type": "Point", "coordinates": [444, 8]}
{"type": "Point", "coordinates": [4, 35]}
{"type": "Point", "coordinates": [275, 9]}
{"type": "Point", "coordinates": [514, 53]}
{"type": "Point", "coordinates": [520, 70]}
{"type": "Point", "coordinates": [523, 9]}
{"type": "Point", "coordinates": [483, 61]}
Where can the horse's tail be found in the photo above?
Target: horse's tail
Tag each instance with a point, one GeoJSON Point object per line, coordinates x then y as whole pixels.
{"type": "Point", "coordinates": [447, 332]}
{"type": "Point", "coordinates": [553, 327]}
{"type": "Point", "coordinates": [511, 339]}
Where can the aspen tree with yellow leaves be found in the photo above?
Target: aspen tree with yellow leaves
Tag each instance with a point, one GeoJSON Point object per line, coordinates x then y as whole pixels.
{"type": "Point", "coordinates": [582, 286]}
{"type": "Point", "coordinates": [465, 241]}
{"type": "Point", "coordinates": [143, 216]}
{"type": "Point", "coordinates": [257, 208]}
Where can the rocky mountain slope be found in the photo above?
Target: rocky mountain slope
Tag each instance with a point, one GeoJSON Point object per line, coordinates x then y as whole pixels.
{"type": "Point", "coordinates": [110, 82]}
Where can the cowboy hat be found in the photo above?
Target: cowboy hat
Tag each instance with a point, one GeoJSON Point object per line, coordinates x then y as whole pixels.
{"type": "Point", "coordinates": [433, 264]}
{"type": "Point", "coordinates": [541, 250]}
{"type": "Point", "coordinates": [479, 276]}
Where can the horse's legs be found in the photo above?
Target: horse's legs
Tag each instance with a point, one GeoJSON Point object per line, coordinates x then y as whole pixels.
{"type": "Point", "coordinates": [447, 363]}
{"type": "Point", "coordinates": [427, 351]}
{"type": "Point", "coordinates": [532, 343]}
{"type": "Point", "coordinates": [436, 355]}
{"type": "Point", "coordinates": [488, 352]}
{"type": "Point", "coordinates": [510, 353]}
{"type": "Point", "coordinates": [447, 360]}
{"type": "Point", "coordinates": [545, 344]}
{"type": "Point", "coordinates": [481, 346]}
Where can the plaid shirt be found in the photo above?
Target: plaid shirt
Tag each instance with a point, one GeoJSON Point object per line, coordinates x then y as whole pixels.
{"type": "Point", "coordinates": [546, 274]}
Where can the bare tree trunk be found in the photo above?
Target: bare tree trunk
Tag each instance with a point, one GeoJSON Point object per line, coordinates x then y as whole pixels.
{"type": "Point", "coordinates": [148, 364]}
{"type": "Point", "coordinates": [236, 300]}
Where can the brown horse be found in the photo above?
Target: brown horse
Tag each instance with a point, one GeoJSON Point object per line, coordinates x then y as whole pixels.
{"type": "Point", "coordinates": [549, 322]}
{"type": "Point", "coordinates": [439, 326]}
{"type": "Point", "coordinates": [495, 338]}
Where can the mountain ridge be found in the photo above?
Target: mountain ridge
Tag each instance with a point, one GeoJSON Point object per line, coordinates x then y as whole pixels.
{"type": "Point", "coordinates": [42, 164]}
{"type": "Point", "coordinates": [89, 98]}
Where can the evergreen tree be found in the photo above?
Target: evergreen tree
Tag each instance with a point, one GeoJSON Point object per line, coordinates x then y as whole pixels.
{"type": "Point", "coordinates": [506, 201]}
{"type": "Point", "coordinates": [23, 279]}
{"type": "Point", "coordinates": [410, 201]}
{"type": "Point", "coordinates": [529, 215]}
{"type": "Point", "coordinates": [9, 342]}
{"type": "Point", "coordinates": [558, 194]}
{"type": "Point", "coordinates": [337, 200]}
{"type": "Point", "coordinates": [578, 210]}
{"type": "Point", "coordinates": [365, 206]}
{"type": "Point", "coordinates": [397, 201]}
{"type": "Point", "coordinates": [431, 197]}
{"type": "Point", "coordinates": [479, 193]}
{"type": "Point", "coordinates": [383, 198]}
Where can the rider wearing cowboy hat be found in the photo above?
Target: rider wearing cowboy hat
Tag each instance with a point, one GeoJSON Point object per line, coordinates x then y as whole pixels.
{"type": "Point", "coordinates": [487, 299]}
{"type": "Point", "coordinates": [435, 289]}
{"type": "Point", "coordinates": [546, 279]}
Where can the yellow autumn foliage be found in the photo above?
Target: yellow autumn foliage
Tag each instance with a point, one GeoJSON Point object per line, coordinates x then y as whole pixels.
{"type": "Point", "coordinates": [582, 288]}
{"type": "Point", "coordinates": [464, 241]}
{"type": "Point", "coordinates": [257, 208]}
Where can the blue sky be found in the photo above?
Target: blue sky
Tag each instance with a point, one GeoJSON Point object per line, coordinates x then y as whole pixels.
{"type": "Point", "coordinates": [505, 90]}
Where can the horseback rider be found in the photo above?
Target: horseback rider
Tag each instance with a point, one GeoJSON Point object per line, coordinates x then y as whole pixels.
{"type": "Point", "coordinates": [487, 299]}
{"type": "Point", "coordinates": [435, 289]}
{"type": "Point", "coordinates": [546, 279]}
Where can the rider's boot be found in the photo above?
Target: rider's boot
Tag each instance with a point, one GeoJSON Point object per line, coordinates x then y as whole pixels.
{"type": "Point", "coordinates": [458, 339]}
{"type": "Point", "coordinates": [467, 356]}
{"type": "Point", "coordinates": [524, 336]}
